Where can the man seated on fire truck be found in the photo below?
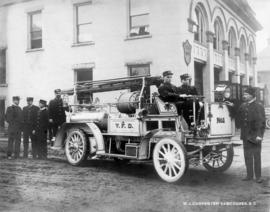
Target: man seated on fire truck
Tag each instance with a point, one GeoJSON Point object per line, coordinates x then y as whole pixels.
{"type": "Point", "coordinates": [184, 91]}
{"type": "Point", "coordinates": [168, 91]}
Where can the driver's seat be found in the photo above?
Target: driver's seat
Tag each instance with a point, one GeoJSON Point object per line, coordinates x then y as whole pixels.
{"type": "Point", "coordinates": [165, 107]}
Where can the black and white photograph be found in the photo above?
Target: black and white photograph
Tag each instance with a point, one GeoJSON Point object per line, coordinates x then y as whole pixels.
{"type": "Point", "coordinates": [134, 105]}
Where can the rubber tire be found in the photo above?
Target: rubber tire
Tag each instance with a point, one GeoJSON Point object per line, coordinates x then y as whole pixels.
{"type": "Point", "coordinates": [85, 146]}
{"type": "Point", "coordinates": [226, 165]}
{"type": "Point", "coordinates": [184, 155]}
{"type": "Point", "coordinates": [268, 122]}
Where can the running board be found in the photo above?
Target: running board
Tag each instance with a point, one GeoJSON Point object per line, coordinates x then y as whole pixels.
{"type": "Point", "coordinates": [116, 156]}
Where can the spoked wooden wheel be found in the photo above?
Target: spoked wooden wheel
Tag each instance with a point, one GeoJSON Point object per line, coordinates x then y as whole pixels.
{"type": "Point", "coordinates": [76, 147]}
{"type": "Point", "coordinates": [219, 160]}
{"type": "Point", "coordinates": [169, 159]}
{"type": "Point", "coordinates": [268, 122]}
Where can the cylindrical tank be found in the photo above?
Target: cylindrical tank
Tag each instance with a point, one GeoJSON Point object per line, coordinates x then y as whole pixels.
{"type": "Point", "coordinates": [128, 102]}
{"type": "Point", "coordinates": [99, 117]}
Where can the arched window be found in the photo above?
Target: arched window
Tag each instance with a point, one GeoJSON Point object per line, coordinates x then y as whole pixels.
{"type": "Point", "coordinates": [251, 53]}
{"type": "Point", "coordinates": [218, 35]}
{"type": "Point", "coordinates": [232, 42]}
{"type": "Point", "coordinates": [200, 33]}
{"type": "Point", "coordinates": [242, 49]}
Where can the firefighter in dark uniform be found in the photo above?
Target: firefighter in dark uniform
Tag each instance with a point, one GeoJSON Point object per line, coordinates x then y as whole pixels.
{"type": "Point", "coordinates": [57, 110]}
{"type": "Point", "coordinates": [168, 91]}
{"type": "Point", "coordinates": [14, 119]}
{"type": "Point", "coordinates": [186, 90]}
{"type": "Point", "coordinates": [29, 122]}
{"type": "Point", "coordinates": [252, 124]}
{"type": "Point", "coordinates": [41, 129]}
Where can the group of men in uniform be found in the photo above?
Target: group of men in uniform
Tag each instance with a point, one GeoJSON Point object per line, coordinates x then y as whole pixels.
{"type": "Point", "coordinates": [170, 93]}
{"type": "Point", "coordinates": [33, 122]}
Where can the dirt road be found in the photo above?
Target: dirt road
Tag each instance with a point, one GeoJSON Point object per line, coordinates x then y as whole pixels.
{"type": "Point", "coordinates": [54, 185]}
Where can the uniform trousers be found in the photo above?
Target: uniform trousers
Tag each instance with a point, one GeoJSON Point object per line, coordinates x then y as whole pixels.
{"type": "Point", "coordinates": [252, 155]}
{"type": "Point", "coordinates": [42, 144]}
{"type": "Point", "coordinates": [55, 127]}
{"type": "Point", "coordinates": [14, 143]}
{"type": "Point", "coordinates": [27, 133]}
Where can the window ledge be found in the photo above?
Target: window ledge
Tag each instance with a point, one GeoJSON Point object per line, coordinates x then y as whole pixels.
{"type": "Point", "coordinates": [138, 37]}
{"type": "Point", "coordinates": [35, 50]}
{"type": "Point", "coordinates": [201, 44]}
{"type": "Point", "coordinates": [4, 85]}
{"type": "Point", "coordinates": [83, 44]}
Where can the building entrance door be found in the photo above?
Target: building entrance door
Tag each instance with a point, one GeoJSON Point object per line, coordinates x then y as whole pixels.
{"type": "Point", "coordinates": [198, 77]}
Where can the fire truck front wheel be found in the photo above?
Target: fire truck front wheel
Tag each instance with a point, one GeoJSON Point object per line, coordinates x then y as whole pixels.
{"type": "Point", "coordinates": [169, 159]}
{"type": "Point", "coordinates": [76, 147]}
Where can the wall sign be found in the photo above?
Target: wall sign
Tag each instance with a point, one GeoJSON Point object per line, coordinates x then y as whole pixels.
{"type": "Point", "coordinates": [187, 52]}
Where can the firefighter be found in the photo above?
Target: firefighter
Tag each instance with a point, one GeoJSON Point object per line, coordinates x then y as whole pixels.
{"type": "Point", "coordinates": [57, 110]}
{"type": "Point", "coordinates": [184, 91]}
{"type": "Point", "coordinates": [168, 91]}
{"type": "Point", "coordinates": [186, 88]}
{"type": "Point", "coordinates": [29, 122]}
{"type": "Point", "coordinates": [252, 124]}
{"type": "Point", "coordinates": [14, 119]}
{"type": "Point", "coordinates": [40, 131]}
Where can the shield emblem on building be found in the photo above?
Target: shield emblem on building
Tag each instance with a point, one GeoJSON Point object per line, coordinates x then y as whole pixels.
{"type": "Point", "coordinates": [187, 51]}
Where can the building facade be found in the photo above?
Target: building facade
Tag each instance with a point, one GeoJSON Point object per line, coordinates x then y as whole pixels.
{"type": "Point", "coordinates": [48, 44]}
{"type": "Point", "coordinates": [263, 72]}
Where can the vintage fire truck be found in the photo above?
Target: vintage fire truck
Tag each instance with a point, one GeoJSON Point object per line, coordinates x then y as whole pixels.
{"type": "Point", "coordinates": [144, 128]}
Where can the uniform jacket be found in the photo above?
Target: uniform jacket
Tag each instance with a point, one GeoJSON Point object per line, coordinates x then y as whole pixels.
{"type": "Point", "coordinates": [187, 106]}
{"type": "Point", "coordinates": [168, 92]}
{"type": "Point", "coordinates": [30, 116]}
{"type": "Point", "coordinates": [42, 123]}
{"type": "Point", "coordinates": [57, 111]}
{"type": "Point", "coordinates": [251, 120]}
{"type": "Point", "coordinates": [14, 118]}
{"type": "Point", "coordinates": [187, 89]}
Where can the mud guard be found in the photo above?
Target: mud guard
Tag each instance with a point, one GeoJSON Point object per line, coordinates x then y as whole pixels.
{"type": "Point", "coordinates": [89, 128]}
{"type": "Point", "coordinates": [145, 151]}
{"type": "Point", "coordinates": [98, 136]}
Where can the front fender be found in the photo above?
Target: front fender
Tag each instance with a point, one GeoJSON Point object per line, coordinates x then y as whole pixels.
{"type": "Point", "coordinates": [154, 136]}
{"type": "Point", "coordinates": [88, 128]}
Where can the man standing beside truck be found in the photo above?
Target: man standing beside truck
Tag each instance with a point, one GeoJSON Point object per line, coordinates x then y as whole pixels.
{"type": "Point", "coordinates": [252, 124]}
{"type": "Point", "coordinates": [57, 110]}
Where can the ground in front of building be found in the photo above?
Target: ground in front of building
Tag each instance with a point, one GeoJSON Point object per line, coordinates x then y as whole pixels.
{"type": "Point", "coordinates": [102, 185]}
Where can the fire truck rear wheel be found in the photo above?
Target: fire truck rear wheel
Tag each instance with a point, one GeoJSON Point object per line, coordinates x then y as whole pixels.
{"type": "Point", "coordinates": [220, 159]}
{"type": "Point", "coordinates": [169, 159]}
{"type": "Point", "coordinates": [76, 147]}
{"type": "Point", "coordinates": [268, 122]}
